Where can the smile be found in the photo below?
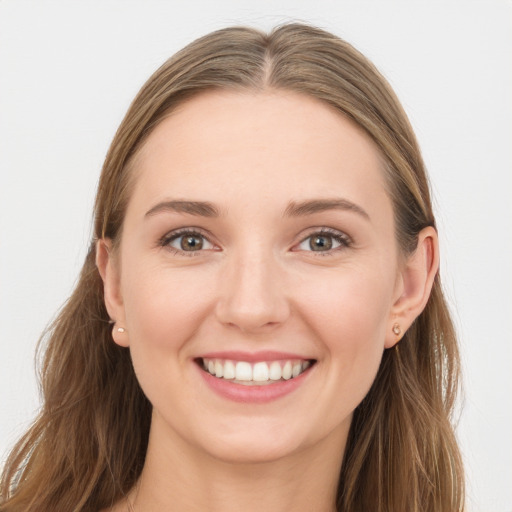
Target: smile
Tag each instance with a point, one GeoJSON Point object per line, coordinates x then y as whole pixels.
{"type": "Point", "coordinates": [254, 373]}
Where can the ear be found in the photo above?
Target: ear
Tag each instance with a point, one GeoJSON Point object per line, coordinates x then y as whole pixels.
{"type": "Point", "coordinates": [108, 267]}
{"type": "Point", "coordinates": [414, 285]}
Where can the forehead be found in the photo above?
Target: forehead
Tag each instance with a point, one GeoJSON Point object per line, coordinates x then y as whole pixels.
{"type": "Point", "coordinates": [268, 145]}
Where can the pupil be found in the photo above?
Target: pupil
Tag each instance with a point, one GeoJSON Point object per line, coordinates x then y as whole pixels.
{"type": "Point", "coordinates": [320, 243]}
{"type": "Point", "coordinates": [191, 243]}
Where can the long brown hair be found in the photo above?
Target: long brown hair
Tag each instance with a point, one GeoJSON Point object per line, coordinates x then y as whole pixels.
{"type": "Point", "coordinates": [401, 452]}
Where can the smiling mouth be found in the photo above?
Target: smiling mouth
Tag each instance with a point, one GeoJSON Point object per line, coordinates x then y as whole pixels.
{"type": "Point", "coordinates": [257, 373]}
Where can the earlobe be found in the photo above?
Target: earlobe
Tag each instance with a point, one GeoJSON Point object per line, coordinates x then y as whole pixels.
{"type": "Point", "coordinates": [109, 270]}
{"type": "Point", "coordinates": [416, 281]}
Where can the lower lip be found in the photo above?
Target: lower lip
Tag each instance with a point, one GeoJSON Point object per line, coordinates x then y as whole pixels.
{"type": "Point", "coordinates": [253, 394]}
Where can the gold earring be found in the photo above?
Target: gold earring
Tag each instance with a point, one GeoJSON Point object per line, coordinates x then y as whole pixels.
{"type": "Point", "coordinates": [396, 329]}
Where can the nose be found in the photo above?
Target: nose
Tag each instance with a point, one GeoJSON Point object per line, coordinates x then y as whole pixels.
{"type": "Point", "coordinates": [252, 298]}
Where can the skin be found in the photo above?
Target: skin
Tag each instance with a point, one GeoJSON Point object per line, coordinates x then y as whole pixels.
{"type": "Point", "coordinates": [257, 285]}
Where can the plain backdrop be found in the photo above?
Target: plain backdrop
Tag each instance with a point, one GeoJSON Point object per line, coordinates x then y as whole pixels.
{"type": "Point", "coordinates": [68, 71]}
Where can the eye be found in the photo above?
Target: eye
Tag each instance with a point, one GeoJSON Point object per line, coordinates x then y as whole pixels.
{"type": "Point", "coordinates": [324, 241]}
{"type": "Point", "coordinates": [187, 241]}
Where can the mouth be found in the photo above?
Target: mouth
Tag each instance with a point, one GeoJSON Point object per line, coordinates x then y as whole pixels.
{"type": "Point", "coordinates": [257, 373]}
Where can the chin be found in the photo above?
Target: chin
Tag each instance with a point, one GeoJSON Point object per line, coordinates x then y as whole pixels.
{"type": "Point", "coordinates": [264, 443]}
{"type": "Point", "coordinates": [253, 452]}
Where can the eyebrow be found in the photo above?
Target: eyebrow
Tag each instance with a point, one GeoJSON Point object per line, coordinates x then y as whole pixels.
{"type": "Point", "coordinates": [200, 208]}
{"type": "Point", "coordinates": [298, 209]}
{"type": "Point", "coordinates": [294, 209]}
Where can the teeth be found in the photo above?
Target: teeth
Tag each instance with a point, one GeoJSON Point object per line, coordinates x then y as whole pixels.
{"type": "Point", "coordinates": [243, 371]}
{"type": "Point", "coordinates": [287, 370]}
{"type": "Point", "coordinates": [229, 370]}
{"type": "Point", "coordinates": [219, 369]}
{"type": "Point", "coordinates": [275, 371]}
{"type": "Point", "coordinates": [260, 372]}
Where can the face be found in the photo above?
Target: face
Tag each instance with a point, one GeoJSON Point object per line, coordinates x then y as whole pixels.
{"type": "Point", "coordinates": [257, 274]}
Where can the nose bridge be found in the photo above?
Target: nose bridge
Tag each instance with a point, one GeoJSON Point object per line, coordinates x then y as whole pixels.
{"type": "Point", "coordinates": [252, 296]}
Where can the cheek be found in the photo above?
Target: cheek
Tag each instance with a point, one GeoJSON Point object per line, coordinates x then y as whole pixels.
{"type": "Point", "coordinates": [163, 311]}
{"type": "Point", "coordinates": [350, 305]}
{"type": "Point", "coordinates": [163, 308]}
{"type": "Point", "coordinates": [348, 313]}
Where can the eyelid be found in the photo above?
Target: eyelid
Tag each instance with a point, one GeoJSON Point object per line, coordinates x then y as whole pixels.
{"type": "Point", "coordinates": [165, 240]}
{"type": "Point", "coordinates": [344, 240]}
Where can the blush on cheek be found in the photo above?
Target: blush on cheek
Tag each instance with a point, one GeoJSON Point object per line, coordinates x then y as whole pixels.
{"type": "Point", "coordinates": [353, 329]}
{"type": "Point", "coordinates": [166, 311]}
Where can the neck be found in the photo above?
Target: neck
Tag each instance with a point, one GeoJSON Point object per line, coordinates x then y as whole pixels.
{"type": "Point", "coordinates": [179, 477]}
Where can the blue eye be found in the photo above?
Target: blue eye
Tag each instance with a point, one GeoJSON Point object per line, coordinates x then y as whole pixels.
{"type": "Point", "coordinates": [324, 242]}
{"type": "Point", "coordinates": [188, 241]}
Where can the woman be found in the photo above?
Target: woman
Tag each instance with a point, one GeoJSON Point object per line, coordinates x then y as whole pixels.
{"type": "Point", "coordinates": [259, 322]}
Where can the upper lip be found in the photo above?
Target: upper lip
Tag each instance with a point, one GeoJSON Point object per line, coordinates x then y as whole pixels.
{"type": "Point", "coordinates": [264, 355]}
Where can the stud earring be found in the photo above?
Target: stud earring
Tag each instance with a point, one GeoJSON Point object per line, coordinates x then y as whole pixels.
{"type": "Point", "coordinates": [396, 330]}
{"type": "Point", "coordinates": [120, 329]}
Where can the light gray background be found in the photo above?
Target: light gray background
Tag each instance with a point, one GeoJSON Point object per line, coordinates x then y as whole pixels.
{"type": "Point", "coordinates": [68, 71]}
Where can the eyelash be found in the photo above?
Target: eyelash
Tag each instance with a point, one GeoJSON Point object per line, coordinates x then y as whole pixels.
{"type": "Point", "coordinates": [166, 240]}
{"type": "Point", "coordinates": [344, 240]}
{"type": "Point", "coordinates": [339, 237]}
